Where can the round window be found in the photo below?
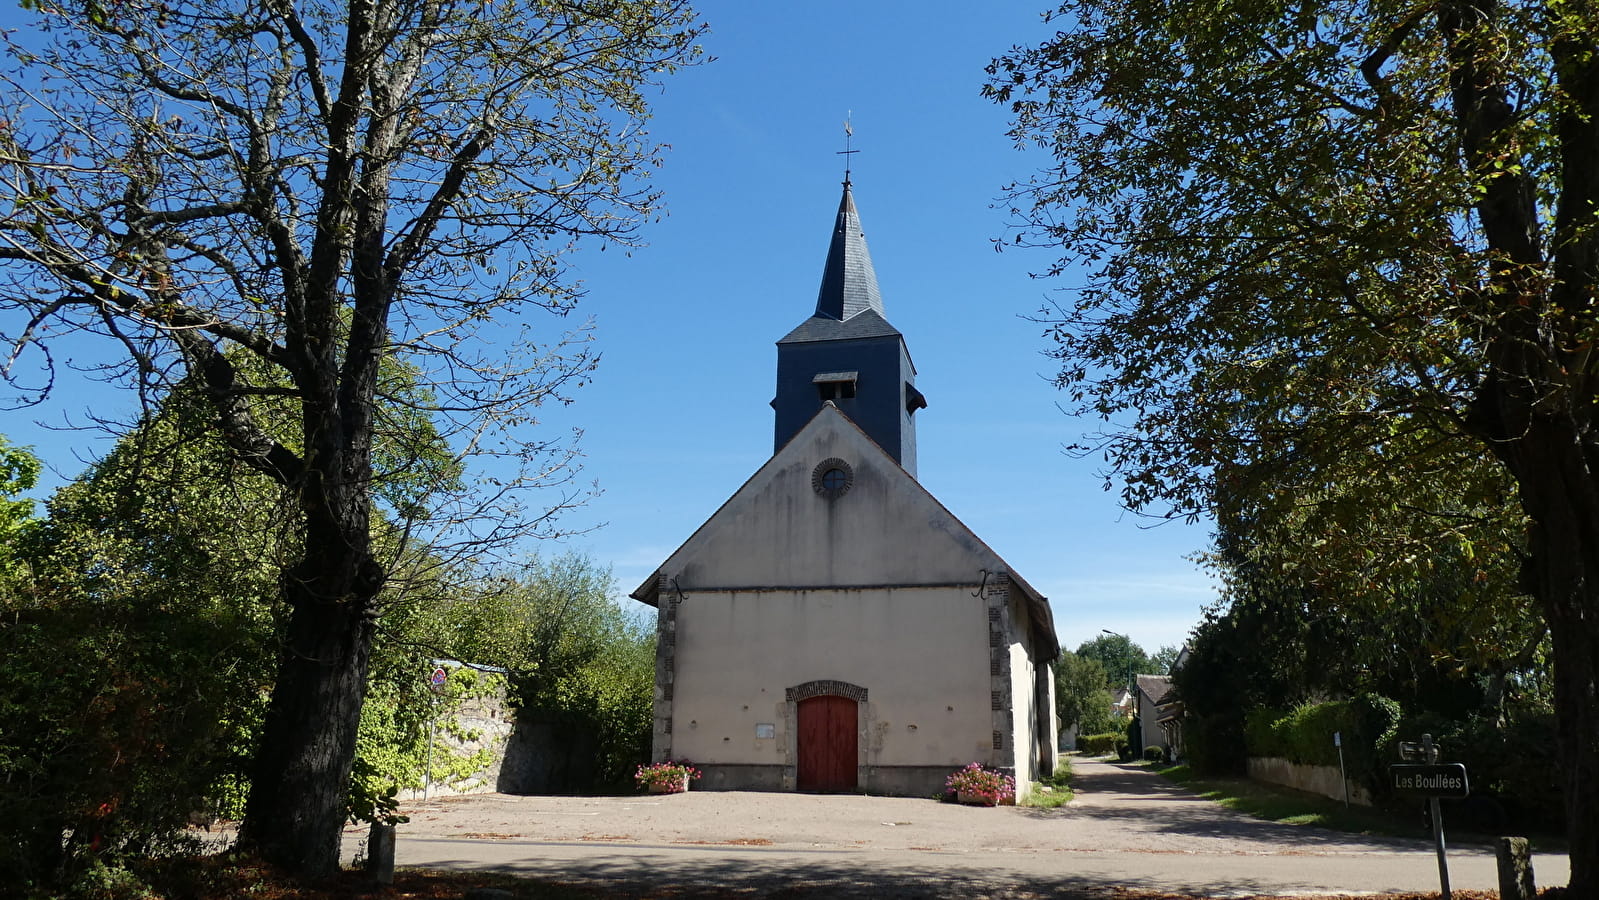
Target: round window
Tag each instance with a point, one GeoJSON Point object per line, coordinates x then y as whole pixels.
{"type": "Point", "coordinates": [832, 477]}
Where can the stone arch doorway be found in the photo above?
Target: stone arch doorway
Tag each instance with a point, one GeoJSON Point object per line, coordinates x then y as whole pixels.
{"type": "Point", "coordinates": [827, 723]}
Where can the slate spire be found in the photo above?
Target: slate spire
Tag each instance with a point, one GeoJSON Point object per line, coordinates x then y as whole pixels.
{"type": "Point", "coordinates": [849, 284]}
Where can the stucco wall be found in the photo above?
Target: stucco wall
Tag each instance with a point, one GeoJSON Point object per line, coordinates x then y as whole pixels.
{"type": "Point", "coordinates": [876, 586]}
{"type": "Point", "coordinates": [1021, 689]}
{"type": "Point", "coordinates": [1033, 724]}
{"type": "Point", "coordinates": [778, 532]}
{"type": "Point", "coordinates": [920, 653]}
{"type": "Point", "coordinates": [1153, 736]}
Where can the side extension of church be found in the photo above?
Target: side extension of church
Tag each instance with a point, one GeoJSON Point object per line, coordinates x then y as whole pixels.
{"type": "Point", "coordinates": [832, 627]}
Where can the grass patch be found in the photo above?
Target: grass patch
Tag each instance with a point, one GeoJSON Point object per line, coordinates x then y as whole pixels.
{"type": "Point", "coordinates": [1289, 807]}
{"type": "Point", "coordinates": [1046, 797]}
{"type": "Point", "coordinates": [1055, 791]}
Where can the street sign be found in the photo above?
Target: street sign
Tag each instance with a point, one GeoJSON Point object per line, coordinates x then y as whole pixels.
{"type": "Point", "coordinates": [1432, 780]}
{"type": "Point", "coordinates": [1446, 780]}
{"type": "Point", "coordinates": [439, 676]}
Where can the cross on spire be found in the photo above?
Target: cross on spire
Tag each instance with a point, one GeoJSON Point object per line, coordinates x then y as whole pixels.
{"type": "Point", "coordinates": [849, 134]}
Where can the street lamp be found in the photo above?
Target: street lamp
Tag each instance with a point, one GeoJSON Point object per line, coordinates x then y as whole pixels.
{"type": "Point", "coordinates": [1131, 688]}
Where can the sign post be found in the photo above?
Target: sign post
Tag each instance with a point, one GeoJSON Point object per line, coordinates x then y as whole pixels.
{"type": "Point", "coordinates": [436, 682]}
{"type": "Point", "coordinates": [1438, 846]}
{"type": "Point", "coordinates": [1432, 780]}
{"type": "Point", "coordinates": [1338, 741]}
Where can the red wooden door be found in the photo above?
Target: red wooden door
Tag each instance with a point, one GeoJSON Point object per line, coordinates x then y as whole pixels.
{"type": "Point", "coordinates": [827, 748]}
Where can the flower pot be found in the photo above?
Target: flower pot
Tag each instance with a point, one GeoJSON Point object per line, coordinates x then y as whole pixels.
{"type": "Point", "coordinates": [674, 786]}
{"type": "Point", "coordinates": [972, 798]}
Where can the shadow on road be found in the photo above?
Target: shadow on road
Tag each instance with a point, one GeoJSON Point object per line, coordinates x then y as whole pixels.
{"type": "Point", "coordinates": [659, 871]}
{"type": "Point", "coordinates": [1137, 796]}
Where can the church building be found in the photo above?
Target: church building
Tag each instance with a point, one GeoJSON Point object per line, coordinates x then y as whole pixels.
{"type": "Point", "coordinates": [833, 627]}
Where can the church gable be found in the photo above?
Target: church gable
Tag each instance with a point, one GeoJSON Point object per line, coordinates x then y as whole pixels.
{"type": "Point", "coordinates": [830, 509]}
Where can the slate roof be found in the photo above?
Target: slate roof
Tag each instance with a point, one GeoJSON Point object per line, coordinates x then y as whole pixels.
{"type": "Point", "coordinates": [849, 283]}
{"type": "Point", "coordinates": [1158, 687]}
{"type": "Point", "coordinates": [849, 305]}
{"type": "Point", "coordinates": [867, 324]}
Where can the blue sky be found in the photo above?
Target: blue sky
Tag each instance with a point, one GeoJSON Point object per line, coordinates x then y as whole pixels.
{"type": "Point", "coordinates": [677, 417]}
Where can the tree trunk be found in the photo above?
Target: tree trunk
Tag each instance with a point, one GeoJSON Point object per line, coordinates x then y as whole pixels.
{"type": "Point", "coordinates": [1534, 406]}
{"type": "Point", "coordinates": [296, 809]}
{"type": "Point", "coordinates": [1559, 492]}
{"type": "Point", "coordinates": [1545, 446]}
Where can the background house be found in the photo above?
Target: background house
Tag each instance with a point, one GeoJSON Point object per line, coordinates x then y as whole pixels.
{"type": "Point", "coordinates": [1160, 710]}
{"type": "Point", "coordinates": [1153, 691]}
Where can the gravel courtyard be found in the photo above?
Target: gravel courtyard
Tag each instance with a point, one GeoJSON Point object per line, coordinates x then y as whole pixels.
{"type": "Point", "coordinates": [1127, 828]}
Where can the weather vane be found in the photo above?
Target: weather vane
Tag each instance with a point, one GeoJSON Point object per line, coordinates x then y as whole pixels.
{"type": "Point", "coordinates": [849, 133]}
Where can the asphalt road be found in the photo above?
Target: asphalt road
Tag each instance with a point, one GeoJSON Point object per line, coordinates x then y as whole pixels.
{"type": "Point", "coordinates": [1127, 828]}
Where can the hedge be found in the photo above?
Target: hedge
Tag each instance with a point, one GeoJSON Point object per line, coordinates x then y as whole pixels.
{"type": "Point", "coordinates": [1103, 744]}
{"type": "Point", "coordinates": [1369, 725]}
{"type": "Point", "coordinates": [1515, 779]}
{"type": "Point", "coordinates": [1211, 744]}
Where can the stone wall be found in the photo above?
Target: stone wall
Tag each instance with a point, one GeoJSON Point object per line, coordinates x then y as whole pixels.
{"type": "Point", "coordinates": [1323, 780]}
{"type": "Point", "coordinates": [547, 756]}
{"type": "Point", "coordinates": [478, 724]}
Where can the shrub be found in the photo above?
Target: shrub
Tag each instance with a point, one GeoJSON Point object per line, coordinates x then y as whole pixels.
{"type": "Point", "coordinates": [1310, 729]}
{"type": "Point", "coordinates": [1374, 722]}
{"type": "Point", "coordinates": [1103, 744]}
{"type": "Point", "coordinates": [1213, 745]}
{"type": "Point", "coordinates": [1517, 762]}
{"type": "Point", "coordinates": [117, 722]}
{"type": "Point", "coordinates": [576, 660]}
{"type": "Point", "coordinates": [399, 718]}
{"type": "Point", "coordinates": [1512, 764]}
{"type": "Point", "coordinates": [1155, 753]}
{"type": "Point", "coordinates": [1261, 736]}
{"type": "Point", "coordinates": [1304, 735]}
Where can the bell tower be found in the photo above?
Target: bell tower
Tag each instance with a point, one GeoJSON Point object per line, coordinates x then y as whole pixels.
{"type": "Point", "coordinates": [848, 354]}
